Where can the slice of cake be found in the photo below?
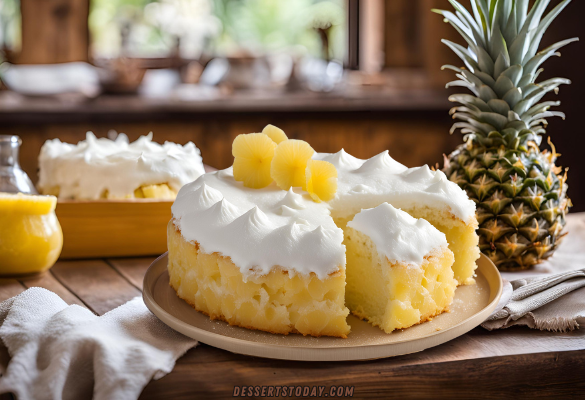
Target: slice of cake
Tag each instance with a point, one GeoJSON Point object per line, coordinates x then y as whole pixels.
{"type": "Point", "coordinates": [398, 268]}
{"type": "Point", "coordinates": [285, 271]}
{"type": "Point", "coordinates": [116, 169]}
{"type": "Point", "coordinates": [279, 301]}
{"type": "Point", "coordinates": [420, 191]}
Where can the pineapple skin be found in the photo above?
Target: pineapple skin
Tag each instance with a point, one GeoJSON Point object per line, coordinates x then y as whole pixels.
{"type": "Point", "coordinates": [521, 201]}
{"type": "Point", "coordinates": [521, 195]}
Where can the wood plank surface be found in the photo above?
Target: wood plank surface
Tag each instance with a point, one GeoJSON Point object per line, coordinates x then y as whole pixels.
{"type": "Point", "coordinates": [453, 369]}
{"type": "Point", "coordinates": [10, 288]}
{"type": "Point", "coordinates": [531, 376]}
{"type": "Point", "coordinates": [97, 284]}
{"type": "Point", "coordinates": [49, 282]}
{"type": "Point", "coordinates": [133, 269]}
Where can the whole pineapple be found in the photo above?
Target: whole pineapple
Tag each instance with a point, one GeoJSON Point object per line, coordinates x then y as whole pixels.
{"type": "Point", "coordinates": [519, 191]}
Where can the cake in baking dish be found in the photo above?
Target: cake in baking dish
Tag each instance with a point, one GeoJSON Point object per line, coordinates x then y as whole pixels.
{"type": "Point", "coordinates": [116, 169]}
{"type": "Point", "coordinates": [387, 242]}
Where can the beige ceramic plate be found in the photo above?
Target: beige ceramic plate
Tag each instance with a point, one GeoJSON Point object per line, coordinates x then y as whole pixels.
{"type": "Point", "coordinates": [471, 306]}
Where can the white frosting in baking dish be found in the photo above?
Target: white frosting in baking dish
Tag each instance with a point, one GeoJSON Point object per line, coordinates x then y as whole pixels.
{"type": "Point", "coordinates": [91, 167]}
{"type": "Point", "coordinates": [262, 229]}
{"type": "Point", "coordinates": [397, 235]}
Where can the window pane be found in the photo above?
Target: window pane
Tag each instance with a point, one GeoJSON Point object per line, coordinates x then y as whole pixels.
{"type": "Point", "coordinates": [158, 28]}
{"type": "Point", "coordinates": [10, 25]}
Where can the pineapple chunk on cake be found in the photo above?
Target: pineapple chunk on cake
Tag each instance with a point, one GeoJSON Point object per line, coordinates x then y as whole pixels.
{"type": "Point", "coordinates": [276, 134]}
{"type": "Point", "coordinates": [321, 180]}
{"type": "Point", "coordinates": [290, 162]}
{"type": "Point", "coordinates": [161, 191]}
{"type": "Point", "coordinates": [398, 268]}
{"type": "Point", "coordinates": [253, 153]}
{"type": "Point", "coordinates": [277, 302]}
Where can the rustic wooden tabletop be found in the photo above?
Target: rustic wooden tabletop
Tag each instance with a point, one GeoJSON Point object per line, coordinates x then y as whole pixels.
{"type": "Point", "coordinates": [513, 362]}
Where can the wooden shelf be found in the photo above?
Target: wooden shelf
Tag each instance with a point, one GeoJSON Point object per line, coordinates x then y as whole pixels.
{"type": "Point", "coordinates": [16, 108]}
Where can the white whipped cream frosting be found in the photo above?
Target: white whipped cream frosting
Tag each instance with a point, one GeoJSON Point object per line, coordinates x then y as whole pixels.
{"type": "Point", "coordinates": [263, 229]}
{"type": "Point", "coordinates": [397, 235]}
{"type": "Point", "coordinates": [259, 229]}
{"type": "Point", "coordinates": [367, 183]}
{"type": "Point", "coordinates": [87, 169]}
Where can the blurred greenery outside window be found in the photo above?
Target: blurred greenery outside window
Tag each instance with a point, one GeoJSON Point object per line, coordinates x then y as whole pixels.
{"type": "Point", "coordinates": [9, 26]}
{"type": "Point", "coordinates": [197, 29]}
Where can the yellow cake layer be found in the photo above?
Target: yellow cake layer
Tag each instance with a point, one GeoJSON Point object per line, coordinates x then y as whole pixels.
{"type": "Point", "coordinates": [394, 295]}
{"type": "Point", "coordinates": [158, 191]}
{"type": "Point", "coordinates": [277, 302]}
{"type": "Point", "coordinates": [462, 238]}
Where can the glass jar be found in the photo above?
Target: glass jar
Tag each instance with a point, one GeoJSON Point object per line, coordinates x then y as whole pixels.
{"type": "Point", "coordinates": [30, 235]}
{"type": "Point", "coordinates": [12, 178]}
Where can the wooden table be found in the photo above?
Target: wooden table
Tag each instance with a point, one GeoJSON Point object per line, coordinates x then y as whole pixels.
{"type": "Point", "coordinates": [517, 361]}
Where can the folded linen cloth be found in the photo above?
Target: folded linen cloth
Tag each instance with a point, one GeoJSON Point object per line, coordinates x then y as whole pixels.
{"type": "Point", "coordinates": [552, 303]}
{"type": "Point", "coordinates": [66, 352]}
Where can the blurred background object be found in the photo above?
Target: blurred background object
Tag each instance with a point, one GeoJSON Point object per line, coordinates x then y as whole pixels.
{"type": "Point", "coordinates": [51, 79]}
{"type": "Point", "coordinates": [12, 178]}
{"type": "Point", "coordinates": [10, 28]}
{"type": "Point", "coordinates": [360, 74]}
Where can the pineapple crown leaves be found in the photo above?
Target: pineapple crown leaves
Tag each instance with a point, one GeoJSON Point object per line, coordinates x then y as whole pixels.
{"type": "Point", "coordinates": [501, 67]}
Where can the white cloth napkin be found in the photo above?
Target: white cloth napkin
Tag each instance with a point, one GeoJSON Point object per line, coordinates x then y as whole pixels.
{"type": "Point", "coordinates": [66, 352]}
{"type": "Point", "coordinates": [552, 303]}
{"type": "Point", "coordinates": [550, 296]}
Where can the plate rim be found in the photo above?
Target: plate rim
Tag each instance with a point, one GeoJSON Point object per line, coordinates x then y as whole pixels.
{"type": "Point", "coordinates": [301, 353]}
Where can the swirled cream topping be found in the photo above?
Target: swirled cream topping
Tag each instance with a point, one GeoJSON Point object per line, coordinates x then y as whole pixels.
{"type": "Point", "coordinates": [95, 166]}
{"type": "Point", "coordinates": [367, 183]}
{"type": "Point", "coordinates": [397, 235]}
{"type": "Point", "coordinates": [262, 229]}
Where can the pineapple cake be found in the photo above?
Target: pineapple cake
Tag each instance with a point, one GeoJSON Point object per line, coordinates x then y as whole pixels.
{"type": "Point", "coordinates": [116, 169]}
{"type": "Point", "coordinates": [262, 245]}
{"type": "Point", "coordinates": [521, 195]}
{"type": "Point", "coordinates": [398, 268]}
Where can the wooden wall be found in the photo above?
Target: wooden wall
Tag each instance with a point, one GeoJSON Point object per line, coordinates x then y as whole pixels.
{"type": "Point", "coordinates": [412, 38]}
{"type": "Point", "coordinates": [54, 31]}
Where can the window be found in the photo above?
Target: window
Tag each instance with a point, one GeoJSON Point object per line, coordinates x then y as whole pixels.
{"type": "Point", "coordinates": [196, 28]}
{"type": "Point", "coordinates": [9, 25]}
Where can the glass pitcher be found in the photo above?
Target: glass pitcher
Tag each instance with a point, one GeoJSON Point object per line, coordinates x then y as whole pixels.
{"type": "Point", "coordinates": [12, 178]}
